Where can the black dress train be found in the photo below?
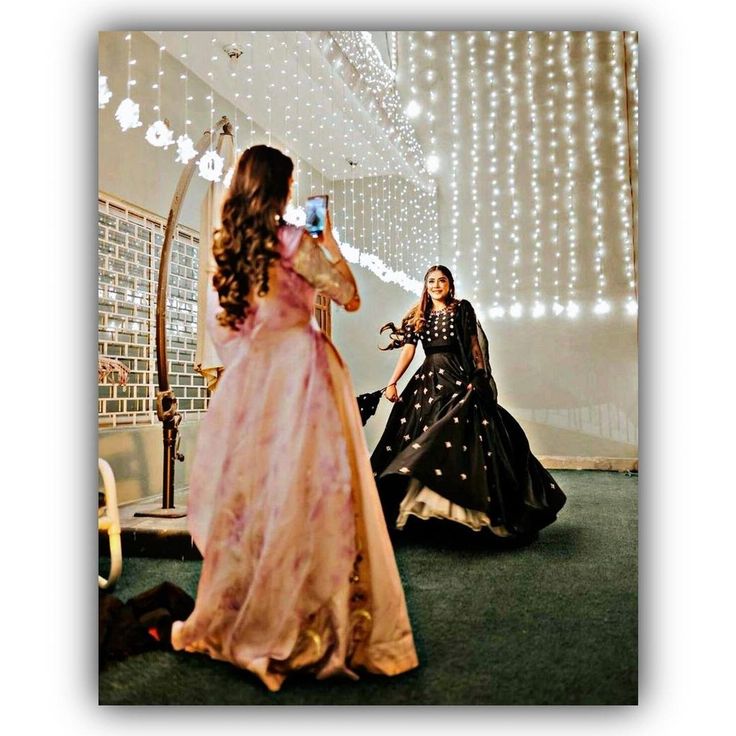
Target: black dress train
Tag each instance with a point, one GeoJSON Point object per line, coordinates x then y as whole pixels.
{"type": "Point", "coordinates": [451, 452]}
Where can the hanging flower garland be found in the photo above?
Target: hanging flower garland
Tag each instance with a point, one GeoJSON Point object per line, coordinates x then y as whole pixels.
{"type": "Point", "coordinates": [159, 134]}
{"type": "Point", "coordinates": [104, 93]}
{"type": "Point", "coordinates": [128, 112]}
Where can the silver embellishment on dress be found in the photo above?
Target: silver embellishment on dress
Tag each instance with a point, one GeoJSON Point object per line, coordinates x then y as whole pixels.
{"type": "Point", "coordinates": [388, 447]}
{"type": "Point", "coordinates": [417, 406]}
{"type": "Point", "coordinates": [416, 445]}
{"type": "Point", "coordinates": [465, 448]}
{"type": "Point", "coordinates": [437, 471]}
{"type": "Point", "coordinates": [484, 422]}
{"type": "Point", "coordinates": [463, 476]}
{"type": "Point", "coordinates": [403, 470]}
{"type": "Point", "coordinates": [456, 420]}
{"type": "Point", "coordinates": [403, 420]}
{"type": "Point", "coordinates": [448, 444]}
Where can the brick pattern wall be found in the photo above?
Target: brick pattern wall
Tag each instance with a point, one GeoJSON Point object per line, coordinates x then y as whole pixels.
{"type": "Point", "coordinates": [129, 247]}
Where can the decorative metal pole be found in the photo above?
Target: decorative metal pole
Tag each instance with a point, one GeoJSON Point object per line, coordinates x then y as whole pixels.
{"type": "Point", "coordinates": [166, 405]}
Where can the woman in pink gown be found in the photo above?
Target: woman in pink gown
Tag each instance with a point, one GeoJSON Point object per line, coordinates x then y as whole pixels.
{"type": "Point", "coordinates": [298, 570]}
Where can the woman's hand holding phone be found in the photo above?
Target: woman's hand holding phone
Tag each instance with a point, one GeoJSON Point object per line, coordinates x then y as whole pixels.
{"type": "Point", "coordinates": [327, 240]}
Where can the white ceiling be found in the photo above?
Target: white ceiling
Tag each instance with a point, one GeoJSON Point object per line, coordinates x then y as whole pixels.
{"type": "Point", "coordinates": [283, 79]}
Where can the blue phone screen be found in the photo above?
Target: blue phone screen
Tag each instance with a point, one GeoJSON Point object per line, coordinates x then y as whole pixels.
{"type": "Point", "coordinates": [316, 215]}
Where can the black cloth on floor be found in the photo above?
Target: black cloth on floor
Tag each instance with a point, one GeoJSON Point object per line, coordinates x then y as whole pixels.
{"type": "Point", "coordinates": [143, 624]}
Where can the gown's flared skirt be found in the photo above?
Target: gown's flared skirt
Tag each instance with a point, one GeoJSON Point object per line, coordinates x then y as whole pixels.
{"type": "Point", "coordinates": [298, 568]}
{"type": "Point", "coordinates": [449, 452]}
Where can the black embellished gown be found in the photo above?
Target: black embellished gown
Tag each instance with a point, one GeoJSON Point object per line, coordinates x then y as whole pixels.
{"type": "Point", "coordinates": [452, 452]}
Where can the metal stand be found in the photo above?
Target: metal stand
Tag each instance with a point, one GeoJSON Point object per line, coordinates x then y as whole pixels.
{"type": "Point", "coordinates": [166, 406]}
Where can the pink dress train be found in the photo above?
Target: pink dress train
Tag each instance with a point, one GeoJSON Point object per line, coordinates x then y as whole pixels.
{"type": "Point", "coordinates": [298, 569]}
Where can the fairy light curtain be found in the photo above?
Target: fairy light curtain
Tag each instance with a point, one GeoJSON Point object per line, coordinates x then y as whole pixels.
{"type": "Point", "coordinates": [536, 157]}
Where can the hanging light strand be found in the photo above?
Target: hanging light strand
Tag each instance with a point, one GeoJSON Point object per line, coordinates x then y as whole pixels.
{"type": "Point", "coordinates": [515, 310]}
{"type": "Point", "coordinates": [455, 154]}
{"type": "Point", "coordinates": [572, 308]}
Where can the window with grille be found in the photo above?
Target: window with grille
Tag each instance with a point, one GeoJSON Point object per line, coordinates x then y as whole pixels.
{"type": "Point", "coordinates": [129, 246]}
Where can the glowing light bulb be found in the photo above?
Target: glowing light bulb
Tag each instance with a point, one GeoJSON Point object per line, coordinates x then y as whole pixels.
{"type": "Point", "coordinates": [433, 163]}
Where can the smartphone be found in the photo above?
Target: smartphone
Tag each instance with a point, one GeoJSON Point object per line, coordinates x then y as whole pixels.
{"type": "Point", "coordinates": [316, 214]}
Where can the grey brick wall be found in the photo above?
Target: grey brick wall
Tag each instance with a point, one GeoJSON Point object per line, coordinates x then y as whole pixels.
{"type": "Point", "coordinates": [129, 245]}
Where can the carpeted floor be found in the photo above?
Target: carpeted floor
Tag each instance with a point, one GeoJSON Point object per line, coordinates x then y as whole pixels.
{"type": "Point", "coordinates": [551, 623]}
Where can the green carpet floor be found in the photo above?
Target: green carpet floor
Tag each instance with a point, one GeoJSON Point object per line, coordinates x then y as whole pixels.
{"type": "Point", "coordinates": [553, 623]}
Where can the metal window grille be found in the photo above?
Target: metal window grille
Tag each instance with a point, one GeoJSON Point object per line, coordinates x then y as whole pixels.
{"type": "Point", "coordinates": [129, 246]}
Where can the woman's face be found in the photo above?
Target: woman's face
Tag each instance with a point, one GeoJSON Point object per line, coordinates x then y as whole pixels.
{"type": "Point", "coordinates": [438, 285]}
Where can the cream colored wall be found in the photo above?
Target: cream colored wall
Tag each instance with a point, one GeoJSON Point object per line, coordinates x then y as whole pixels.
{"type": "Point", "coordinates": [135, 455]}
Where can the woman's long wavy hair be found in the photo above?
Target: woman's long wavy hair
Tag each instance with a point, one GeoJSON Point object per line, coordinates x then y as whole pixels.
{"type": "Point", "coordinates": [417, 316]}
{"type": "Point", "coordinates": [246, 243]}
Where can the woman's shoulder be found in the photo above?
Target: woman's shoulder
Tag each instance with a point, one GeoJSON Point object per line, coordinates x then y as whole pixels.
{"type": "Point", "coordinates": [290, 237]}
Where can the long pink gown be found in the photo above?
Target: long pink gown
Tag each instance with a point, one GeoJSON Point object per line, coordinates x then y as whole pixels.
{"type": "Point", "coordinates": [298, 569]}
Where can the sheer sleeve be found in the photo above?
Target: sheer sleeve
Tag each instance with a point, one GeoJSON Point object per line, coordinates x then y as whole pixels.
{"type": "Point", "coordinates": [311, 263]}
{"type": "Point", "coordinates": [470, 322]}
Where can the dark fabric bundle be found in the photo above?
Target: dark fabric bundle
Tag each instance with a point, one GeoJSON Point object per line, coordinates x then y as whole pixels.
{"type": "Point", "coordinates": [368, 403]}
{"type": "Point", "coordinates": [143, 624]}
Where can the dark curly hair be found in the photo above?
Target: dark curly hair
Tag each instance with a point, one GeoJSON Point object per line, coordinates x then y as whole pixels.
{"type": "Point", "coordinates": [246, 243]}
{"type": "Point", "coordinates": [416, 317]}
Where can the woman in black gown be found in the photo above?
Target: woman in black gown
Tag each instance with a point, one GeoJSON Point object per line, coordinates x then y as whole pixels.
{"type": "Point", "coordinates": [449, 451]}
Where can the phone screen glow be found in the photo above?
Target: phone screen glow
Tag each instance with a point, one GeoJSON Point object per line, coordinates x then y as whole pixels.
{"type": "Point", "coordinates": [316, 215]}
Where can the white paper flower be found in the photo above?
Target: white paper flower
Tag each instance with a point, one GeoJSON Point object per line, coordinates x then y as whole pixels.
{"type": "Point", "coordinates": [185, 150]}
{"type": "Point", "coordinates": [211, 166]}
{"type": "Point", "coordinates": [104, 93]}
{"type": "Point", "coordinates": [295, 216]}
{"type": "Point", "coordinates": [159, 134]}
{"type": "Point", "coordinates": [127, 114]}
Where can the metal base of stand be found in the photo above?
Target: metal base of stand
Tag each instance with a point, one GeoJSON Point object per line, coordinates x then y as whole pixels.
{"type": "Point", "coordinates": [163, 513]}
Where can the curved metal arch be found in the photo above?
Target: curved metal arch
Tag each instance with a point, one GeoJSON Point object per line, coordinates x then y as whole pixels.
{"type": "Point", "coordinates": [166, 402]}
